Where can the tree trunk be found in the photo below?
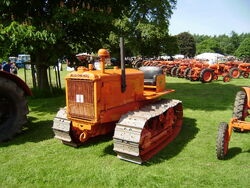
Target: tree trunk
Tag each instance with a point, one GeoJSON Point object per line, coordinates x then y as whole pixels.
{"type": "Point", "coordinates": [42, 77]}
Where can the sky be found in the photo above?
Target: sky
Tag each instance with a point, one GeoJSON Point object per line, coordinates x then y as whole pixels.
{"type": "Point", "coordinates": [210, 17]}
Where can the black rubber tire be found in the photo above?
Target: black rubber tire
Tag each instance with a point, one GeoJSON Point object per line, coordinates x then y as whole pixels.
{"type": "Point", "coordinates": [222, 141]}
{"type": "Point", "coordinates": [203, 72]}
{"type": "Point", "coordinates": [245, 74]}
{"type": "Point", "coordinates": [185, 74]}
{"type": "Point", "coordinates": [138, 64]}
{"type": "Point", "coordinates": [240, 104]}
{"type": "Point", "coordinates": [173, 71]}
{"type": "Point", "coordinates": [14, 114]}
{"type": "Point", "coordinates": [233, 70]}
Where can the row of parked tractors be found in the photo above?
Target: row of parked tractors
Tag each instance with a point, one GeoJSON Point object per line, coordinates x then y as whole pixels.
{"type": "Point", "coordinates": [196, 70]}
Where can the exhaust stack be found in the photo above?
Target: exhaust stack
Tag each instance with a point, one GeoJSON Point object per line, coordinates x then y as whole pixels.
{"type": "Point", "coordinates": [123, 81]}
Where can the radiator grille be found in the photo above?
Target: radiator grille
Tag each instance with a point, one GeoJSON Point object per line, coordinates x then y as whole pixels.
{"type": "Point", "coordinates": [81, 99]}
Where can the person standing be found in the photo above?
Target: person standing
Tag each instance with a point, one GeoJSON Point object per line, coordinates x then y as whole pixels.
{"type": "Point", "coordinates": [14, 68]}
{"type": "Point", "coordinates": [7, 67]}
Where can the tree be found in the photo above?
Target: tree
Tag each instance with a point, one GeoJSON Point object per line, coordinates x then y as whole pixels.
{"type": "Point", "coordinates": [50, 29]}
{"type": "Point", "coordinates": [243, 52]}
{"type": "Point", "coordinates": [186, 44]}
{"type": "Point", "coordinates": [208, 45]}
{"type": "Point", "coordinates": [144, 26]}
{"type": "Point", "coordinates": [170, 46]}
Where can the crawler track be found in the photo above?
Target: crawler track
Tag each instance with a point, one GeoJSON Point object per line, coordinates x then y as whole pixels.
{"type": "Point", "coordinates": [141, 134]}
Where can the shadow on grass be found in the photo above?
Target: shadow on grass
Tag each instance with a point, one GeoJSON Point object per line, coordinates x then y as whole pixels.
{"type": "Point", "coordinates": [45, 106]}
{"type": "Point", "coordinates": [97, 140]}
{"type": "Point", "coordinates": [38, 128]}
{"type": "Point", "coordinates": [209, 97]}
{"type": "Point", "coordinates": [33, 131]}
{"type": "Point", "coordinates": [188, 132]}
{"type": "Point", "coordinates": [232, 152]}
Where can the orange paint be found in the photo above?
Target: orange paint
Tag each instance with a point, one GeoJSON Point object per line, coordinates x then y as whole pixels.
{"type": "Point", "coordinates": [95, 101]}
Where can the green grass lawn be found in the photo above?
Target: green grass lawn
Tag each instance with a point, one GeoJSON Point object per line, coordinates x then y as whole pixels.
{"type": "Point", "coordinates": [35, 159]}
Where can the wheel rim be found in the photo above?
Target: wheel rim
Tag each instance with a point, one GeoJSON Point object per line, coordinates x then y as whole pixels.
{"type": "Point", "coordinates": [207, 76]}
{"type": "Point", "coordinates": [246, 75]}
{"type": "Point", "coordinates": [235, 73]}
{"type": "Point", "coordinates": [226, 79]}
{"type": "Point", "coordinates": [215, 77]}
{"type": "Point", "coordinates": [226, 142]}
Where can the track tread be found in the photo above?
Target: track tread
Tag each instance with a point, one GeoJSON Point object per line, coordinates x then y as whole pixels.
{"type": "Point", "coordinates": [128, 129]}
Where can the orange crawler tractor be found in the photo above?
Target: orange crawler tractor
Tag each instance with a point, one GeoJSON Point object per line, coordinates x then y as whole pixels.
{"type": "Point", "coordinates": [237, 123]}
{"type": "Point", "coordinates": [124, 101]}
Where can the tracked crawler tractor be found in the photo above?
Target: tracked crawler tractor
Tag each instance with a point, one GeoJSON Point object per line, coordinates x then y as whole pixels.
{"type": "Point", "coordinates": [238, 122]}
{"type": "Point", "coordinates": [124, 101]}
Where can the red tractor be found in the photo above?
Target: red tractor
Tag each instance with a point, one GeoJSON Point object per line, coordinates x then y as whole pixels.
{"type": "Point", "coordinates": [200, 71]}
{"type": "Point", "coordinates": [13, 105]}
{"type": "Point", "coordinates": [245, 69]}
{"type": "Point", "coordinates": [238, 122]}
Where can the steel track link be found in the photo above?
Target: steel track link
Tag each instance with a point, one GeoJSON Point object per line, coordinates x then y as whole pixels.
{"type": "Point", "coordinates": [61, 128]}
{"type": "Point", "coordinates": [128, 130]}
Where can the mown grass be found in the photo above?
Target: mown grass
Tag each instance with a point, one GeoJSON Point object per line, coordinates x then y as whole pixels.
{"type": "Point", "coordinates": [35, 159]}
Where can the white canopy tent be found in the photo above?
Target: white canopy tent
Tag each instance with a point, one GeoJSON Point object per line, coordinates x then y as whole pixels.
{"type": "Point", "coordinates": [209, 56]}
{"type": "Point", "coordinates": [178, 56]}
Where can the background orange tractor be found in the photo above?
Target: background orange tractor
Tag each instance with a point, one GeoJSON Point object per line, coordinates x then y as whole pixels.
{"type": "Point", "coordinates": [245, 69]}
{"type": "Point", "coordinates": [127, 101]}
{"type": "Point", "coordinates": [237, 123]}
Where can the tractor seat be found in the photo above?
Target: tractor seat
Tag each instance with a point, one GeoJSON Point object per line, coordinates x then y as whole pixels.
{"type": "Point", "coordinates": [150, 74]}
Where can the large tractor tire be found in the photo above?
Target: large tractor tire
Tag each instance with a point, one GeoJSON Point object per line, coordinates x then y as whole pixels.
{"type": "Point", "coordinates": [234, 72]}
{"type": "Point", "coordinates": [222, 141]}
{"type": "Point", "coordinates": [173, 71]}
{"type": "Point", "coordinates": [226, 78]}
{"type": "Point", "coordinates": [240, 110]}
{"type": "Point", "coordinates": [178, 73]}
{"type": "Point", "coordinates": [186, 72]}
{"type": "Point", "coordinates": [206, 75]}
{"type": "Point", "coordinates": [13, 109]}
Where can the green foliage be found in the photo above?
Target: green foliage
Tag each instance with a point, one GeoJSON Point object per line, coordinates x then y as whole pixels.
{"type": "Point", "coordinates": [186, 44]}
{"type": "Point", "coordinates": [144, 26]}
{"type": "Point", "coordinates": [243, 52]}
{"type": "Point", "coordinates": [224, 44]}
{"type": "Point", "coordinates": [208, 45]}
{"type": "Point", "coordinates": [48, 30]}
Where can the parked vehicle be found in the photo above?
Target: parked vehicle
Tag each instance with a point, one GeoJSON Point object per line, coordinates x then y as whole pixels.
{"type": "Point", "coordinates": [21, 59]}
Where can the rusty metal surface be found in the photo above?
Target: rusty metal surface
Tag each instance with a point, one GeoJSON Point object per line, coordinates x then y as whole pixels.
{"type": "Point", "coordinates": [128, 130]}
{"type": "Point", "coordinates": [81, 99]}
